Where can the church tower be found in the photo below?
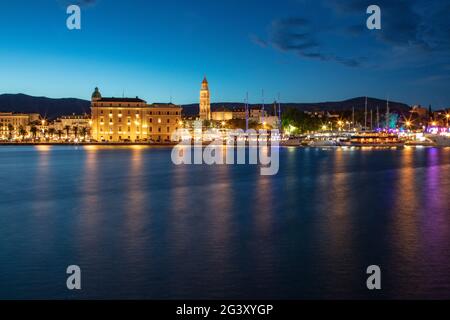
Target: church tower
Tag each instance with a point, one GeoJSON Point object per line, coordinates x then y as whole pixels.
{"type": "Point", "coordinates": [205, 102]}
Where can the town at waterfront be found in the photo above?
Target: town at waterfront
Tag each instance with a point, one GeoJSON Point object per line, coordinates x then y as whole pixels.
{"type": "Point", "coordinates": [119, 121]}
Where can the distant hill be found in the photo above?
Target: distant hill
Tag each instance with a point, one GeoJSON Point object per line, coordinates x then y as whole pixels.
{"type": "Point", "coordinates": [333, 106]}
{"type": "Point", "coordinates": [50, 108]}
{"type": "Point", "coordinates": [53, 108]}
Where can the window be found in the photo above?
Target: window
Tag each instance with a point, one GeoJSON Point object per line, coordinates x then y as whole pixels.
{"type": "Point", "coordinates": [168, 129]}
{"type": "Point", "coordinates": [159, 129]}
{"type": "Point", "coordinates": [168, 120]}
{"type": "Point", "coordinates": [151, 129]}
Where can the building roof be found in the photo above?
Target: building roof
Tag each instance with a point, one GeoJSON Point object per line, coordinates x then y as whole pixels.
{"type": "Point", "coordinates": [222, 109]}
{"type": "Point", "coordinates": [112, 99]}
{"type": "Point", "coordinates": [163, 105]}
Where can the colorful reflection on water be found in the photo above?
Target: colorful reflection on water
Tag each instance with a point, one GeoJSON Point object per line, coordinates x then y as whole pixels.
{"type": "Point", "coordinates": [141, 227]}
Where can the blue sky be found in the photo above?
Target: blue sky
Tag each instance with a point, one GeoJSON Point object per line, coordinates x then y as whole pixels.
{"type": "Point", "coordinates": [305, 50]}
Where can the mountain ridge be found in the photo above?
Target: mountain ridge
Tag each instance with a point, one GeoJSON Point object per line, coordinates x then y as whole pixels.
{"type": "Point", "coordinates": [55, 107]}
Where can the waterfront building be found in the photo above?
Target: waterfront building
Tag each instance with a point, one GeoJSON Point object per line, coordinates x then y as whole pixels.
{"type": "Point", "coordinates": [11, 123]}
{"type": "Point", "coordinates": [257, 114]}
{"type": "Point", "coordinates": [239, 114]}
{"type": "Point", "coordinates": [132, 119]}
{"type": "Point", "coordinates": [222, 114]}
{"type": "Point", "coordinates": [73, 126]}
{"type": "Point", "coordinates": [205, 101]}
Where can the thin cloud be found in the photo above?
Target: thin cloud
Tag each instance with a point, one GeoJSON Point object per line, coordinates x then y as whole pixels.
{"type": "Point", "coordinates": [299, 35]}
{"type": "Point", "coordinates": [412, 32]}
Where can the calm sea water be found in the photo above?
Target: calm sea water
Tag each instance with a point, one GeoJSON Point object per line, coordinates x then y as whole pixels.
{"type": "Point", "coordinates": [141, 227]}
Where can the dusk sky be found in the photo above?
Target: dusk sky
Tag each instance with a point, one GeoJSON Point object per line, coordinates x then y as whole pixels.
{"type": "Point", "coordinates": [306, 50]}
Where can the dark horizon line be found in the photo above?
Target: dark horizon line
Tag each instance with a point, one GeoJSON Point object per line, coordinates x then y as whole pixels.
{"type": "Point", "coordinates": [231, 102]}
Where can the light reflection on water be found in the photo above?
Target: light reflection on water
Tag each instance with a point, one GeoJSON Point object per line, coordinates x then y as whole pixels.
{"type": "Point", "coordinates": [141, 227]}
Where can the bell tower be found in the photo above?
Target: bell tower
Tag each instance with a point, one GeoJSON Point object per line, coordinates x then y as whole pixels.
{"type": "Point", "coordinates": [205, 102]}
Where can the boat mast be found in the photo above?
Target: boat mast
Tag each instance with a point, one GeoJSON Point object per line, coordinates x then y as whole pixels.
{"type": "Point", "coordinates": [246, 112]}
{"type": "Point", "coordinates": [279, 110]}
{"type": "Point", "coordinates": [365, 116]}
{"type": "Point", "coordinates": [387, 113]}
{"type": "Point", "coordinates": [378, 117]}
{"type": "Point", "coordinates": [371, 120]}
{"type": "Point", "coordinates": [262, 110]}
{"type": "Point", "coordinates": [353, 117]}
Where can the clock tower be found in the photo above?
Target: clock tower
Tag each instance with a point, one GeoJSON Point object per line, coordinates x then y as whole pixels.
{"type": "Point", "coordinates": [205, 102]}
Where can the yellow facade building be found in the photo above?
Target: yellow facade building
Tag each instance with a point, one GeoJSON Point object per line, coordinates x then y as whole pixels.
{"type": "Point", "coordinates": [11, 123]}
{"type": "Point", "coordinates": [132, 120]}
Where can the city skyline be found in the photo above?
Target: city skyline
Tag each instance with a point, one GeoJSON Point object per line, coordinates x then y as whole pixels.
{"type": "Point", "coordinates": [164, 50]}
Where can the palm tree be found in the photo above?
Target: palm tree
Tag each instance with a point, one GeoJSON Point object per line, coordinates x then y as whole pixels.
{"type": "Point", "coordinates": [51, 132]}
{"type": "Point", "coordinates": [33, 131]}
{"type": "Point", "coordinates": [22, 132]}
{"type": "Point", "coordinates": [84, 132]}
{"type": "Point", "coordinates": [75, 131]}
{"type": "Point", "coordinates": [10, 131]}
{"type": "Point", "coordinates": [59, 133]}
{"type": "Point", "coordinates": [67, 128]}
